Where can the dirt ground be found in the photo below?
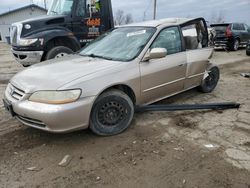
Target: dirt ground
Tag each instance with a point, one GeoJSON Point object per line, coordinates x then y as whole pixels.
{"type": "Point", "coordinates": [191, 149]}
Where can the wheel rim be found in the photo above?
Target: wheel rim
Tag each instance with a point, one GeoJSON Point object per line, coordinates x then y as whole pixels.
{"type": "Point", "coordinates": [60, 55]}
{"type": "Point", "coordinates": [211, 80]}
{"type": "Point", "coordinates": [236, 45]}
{"type": "Point", "coordinates": [111, 113]}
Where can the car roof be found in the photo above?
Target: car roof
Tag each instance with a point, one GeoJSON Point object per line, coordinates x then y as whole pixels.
{"type": "Point", "coordinates": [156, 23]}
{"type": "Point", "coordinates": [220, 24]}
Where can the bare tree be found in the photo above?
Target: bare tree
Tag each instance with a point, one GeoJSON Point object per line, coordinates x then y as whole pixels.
{"type": "Point", "coordinates": [217, 17]}
{"type": "Point", "coordinates": [128, 19]}
{"type": "Point", "coordinates": [45, 4]}
{"type": "Point", "coordinates": [119, 17]}
{"type": "Point", "coordinates": [221, 18]}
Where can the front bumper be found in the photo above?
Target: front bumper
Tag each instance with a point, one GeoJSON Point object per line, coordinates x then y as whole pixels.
{"type": "Point", "coordinates": [27, 58]}
{"type": "Point", "coordinates": [53, 118]}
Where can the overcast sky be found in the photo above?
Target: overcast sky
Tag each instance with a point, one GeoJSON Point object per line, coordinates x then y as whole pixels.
{"type": "Point", "coordinates": [232, 10]}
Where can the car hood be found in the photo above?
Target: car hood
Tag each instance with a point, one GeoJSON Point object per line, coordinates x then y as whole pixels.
{"type": "Point", "coordinates": [42, 23]}
{"type": "Point", "coordinates": [53, 74]}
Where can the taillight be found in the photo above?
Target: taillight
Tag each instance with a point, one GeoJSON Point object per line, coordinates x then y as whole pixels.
{"type": "Point", "coordinates": [229, 32]}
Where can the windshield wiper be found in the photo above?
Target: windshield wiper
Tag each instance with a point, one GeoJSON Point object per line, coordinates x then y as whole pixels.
{"type": "Point", "coordinates": [98, 56]}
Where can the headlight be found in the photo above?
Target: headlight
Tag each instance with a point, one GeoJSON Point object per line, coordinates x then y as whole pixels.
{"type": "Point", "coordinates": [27, 26]}
{"type": "Point", "coordinates": [55, 97]}
{"type": "Point", "coordinates": [27, 42]}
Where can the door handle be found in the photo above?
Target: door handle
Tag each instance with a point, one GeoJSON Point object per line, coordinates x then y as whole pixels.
{"type": "Point", "coordinates": [181, 65]}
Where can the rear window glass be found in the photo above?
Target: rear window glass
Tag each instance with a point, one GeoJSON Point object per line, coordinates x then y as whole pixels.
{"type": "Point", "coordinates": [220, 28]}
{"type": "Point", "coordinates": [238, 26]}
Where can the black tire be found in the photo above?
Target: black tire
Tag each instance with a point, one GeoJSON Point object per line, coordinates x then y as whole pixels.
{"type": "Point", "coordinates": [112, 113]}
{"type": "Point", "coordinates": [235, 45]}
{"type": "Point", "coordinates": [211, 81]}
{"type": "Point", "coordinates": [248, 52]}
{"type": "Point", "coordinates": [58, 50]}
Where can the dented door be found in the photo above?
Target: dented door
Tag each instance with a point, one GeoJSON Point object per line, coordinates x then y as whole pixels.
{"type": "Point", "coordinates": [195, 36]}
{"type": "Point", "coordinates": [197, 62]}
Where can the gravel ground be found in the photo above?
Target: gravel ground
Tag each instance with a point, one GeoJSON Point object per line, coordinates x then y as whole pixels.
{"type": "Point", "coordinates": [196, 149]}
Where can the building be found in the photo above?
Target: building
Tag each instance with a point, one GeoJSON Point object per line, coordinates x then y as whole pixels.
{"type": "Point", "coordinates": [23, 13]}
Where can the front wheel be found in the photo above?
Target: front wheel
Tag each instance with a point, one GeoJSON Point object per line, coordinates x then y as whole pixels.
{"type": "Point", "coordinates": [248, 52]}
{"type": "Point", "coordinates": [211, 81]}
{"type": "Point", "coordinates": [57, 52]}
{"type": "Point", "coordinates": [112, 113]}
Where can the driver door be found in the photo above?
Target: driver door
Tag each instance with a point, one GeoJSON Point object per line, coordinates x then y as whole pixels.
{"type": "Point", "coordinates": [88, 23]}
{"type": "Point", "coordinates": [165, 76]}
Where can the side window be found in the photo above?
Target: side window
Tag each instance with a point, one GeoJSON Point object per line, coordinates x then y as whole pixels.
{"type": "Point", "coordinates": [195, 35]}
{"type": "Point", "coordinates": [93, 6]}
{"type": "Point", "coordinates": [247, 28]}
{"type": "Point", "coordinates": [242, 28]}
{"type": "Point", "coordinates": [169, 39]}
{"type": "Point", "coordinates": [236, 26]}
{"type": "Point", "coordinates": [81, 8]}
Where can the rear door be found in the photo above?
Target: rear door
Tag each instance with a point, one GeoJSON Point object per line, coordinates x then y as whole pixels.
{"type": "Point", "coordinates": [238, 31]}
{"type": "Point", "coordinates": [195, 35]}
{"type": "Point", "coordinates": [246, 33]}
{"type": "Point", "coordinates": [165, 76]}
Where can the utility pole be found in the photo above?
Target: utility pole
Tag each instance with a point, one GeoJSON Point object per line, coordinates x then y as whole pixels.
{"type": "Point", "coordinates": [155, 9]}
{"type": "Point", "coordinates": [45, 4]}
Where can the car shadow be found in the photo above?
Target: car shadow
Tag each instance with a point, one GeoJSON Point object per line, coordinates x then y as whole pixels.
{"type": "Point", "coordinates": [26, 138]}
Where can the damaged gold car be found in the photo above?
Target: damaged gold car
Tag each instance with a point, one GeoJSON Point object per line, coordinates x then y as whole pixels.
{"type": "Point", "coordinates": [99, 87]}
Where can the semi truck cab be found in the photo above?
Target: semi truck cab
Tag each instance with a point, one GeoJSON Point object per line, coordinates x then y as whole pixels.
{"type": "Point", "coordinates": [68, 26]}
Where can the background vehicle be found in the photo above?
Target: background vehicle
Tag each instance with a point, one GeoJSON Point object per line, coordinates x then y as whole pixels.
{"type": "Point", "coordinates": [248, 48]}
{"type": "Point", "coordinates": [133, 65]}
{"type": "Point", "coordinates": [69, 25]}
{"type": "Point", "coordinates": [231, 35]}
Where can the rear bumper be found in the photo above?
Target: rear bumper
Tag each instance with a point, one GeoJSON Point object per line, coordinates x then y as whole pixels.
{"type": "Point", "coordinates": [27, 58]}
{"type": "Point", "coordinates": [221, 43]}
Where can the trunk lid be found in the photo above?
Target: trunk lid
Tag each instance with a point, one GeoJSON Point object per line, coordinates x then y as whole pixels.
{"type": "Point", "coordinates": [220, 30]}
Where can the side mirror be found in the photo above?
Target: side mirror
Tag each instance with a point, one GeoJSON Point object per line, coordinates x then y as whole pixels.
{"type": "Point", "coordinates": [155, 53]}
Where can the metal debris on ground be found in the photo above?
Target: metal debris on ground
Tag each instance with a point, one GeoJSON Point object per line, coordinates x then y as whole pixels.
{"type": "Point", "coordinates": [246, 75]}
{"type": "Point", "coordinates": [98, 178]}
{"type": "Point", "coordinates": [184, 181]}
{"type": "Point", "coordinates": [210, 146]}
{"type": "Point", "coordinates": [173, 107]}
{"type": "Point", "coordinates": [65, 161]}
{"type": "Point", "coordinates": [156, 152]}
{"type": "Point", "coordinates": [33, 168]}
{"type": "Point", "coordinates": [179, 149]}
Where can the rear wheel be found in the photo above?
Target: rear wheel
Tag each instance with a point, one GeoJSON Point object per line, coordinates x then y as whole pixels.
{"type": "Point", "coordinates": [57, 52]}
{"type": "Point", "coordinates": [236, 44]}
{"type": "Point", "coordinates": [211, 81]}
{"type": "Point", "coordinates": [112, 113]}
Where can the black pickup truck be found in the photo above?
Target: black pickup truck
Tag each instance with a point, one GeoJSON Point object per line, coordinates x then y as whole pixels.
{"type": "Point", "coordinates": [231, 35]}
{"type": "Point", "coordinates": [69, 25]}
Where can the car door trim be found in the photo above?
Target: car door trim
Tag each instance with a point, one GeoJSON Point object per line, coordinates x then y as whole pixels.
{"type": "Point", "coordinates": [195, 75]}
{"type": "Point", "coordinates": [167, 96]}
{"type": "Point", "coordinates": [165, 84]}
